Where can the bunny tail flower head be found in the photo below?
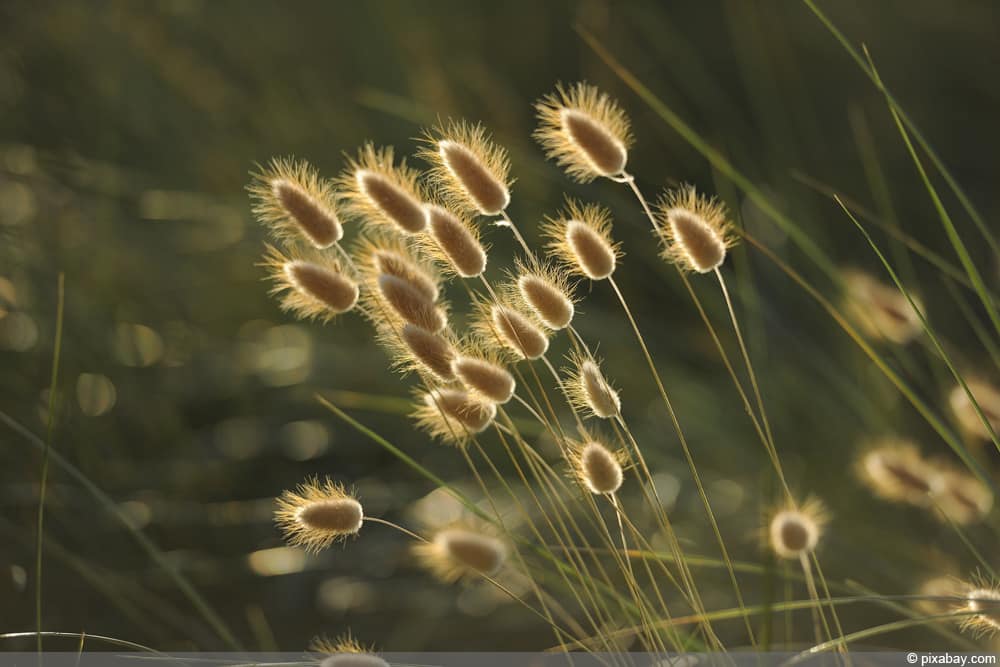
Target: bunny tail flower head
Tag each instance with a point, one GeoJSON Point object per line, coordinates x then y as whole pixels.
{"type": "Point", "coordinates": [345, 651]}
{"type": "Point", "coordinates": [694, 230]}
{"type": "Point", "coordinates": [470, 170]}
{"type": "Point", "coordinates": [584, 131]}
{"type": "Point", "coordinates": [597, 468]}
{"type": "Point", "coordinates": [293, 202]}
{"type": "Point", "coordinates": [588, 390]}
{"type": "Point", "coordinates": [502, 327]}
{"type": "Point", "coordinates": [483, 374]}
{"type": "Point", "coordinates": [543, 290]}
{"type": "Point", "coordinates": [453, 242]}
{"type": "Point", "coordinates": [378, 254]}
{"type": "Point", "coordinates": [413, 349]}
{"type": "Point", "coordinates": [881, 311]}
{"type": "Point", "coordinates": [796, 531]}
{"type": "Point", "coordinates": [310, 285]}
{"type": "Point", "coordinates": [317, 514]}
{"type": "Point", "coordinates": [453, 415]}
{"type": "Point", "coordinates": [459, 552]}
{"type": "Point", "coordinates": [895, 470]}
{"type": "Point", "coordinates": [984, 601]}
{"type": "Point", "coordinates": [379, 192]}
{"type": "Point", "coordinates": [580, 238]}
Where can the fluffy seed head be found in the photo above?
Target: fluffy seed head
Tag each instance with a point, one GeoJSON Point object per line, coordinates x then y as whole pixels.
{"type": "Point", "coordinates": [985, 602]}
{"type": "Point", "coordinates": [693, 229]}
{"type": "Point", "coordinates": [988, 398]}
{"type": "Point", "coordinates": [796, 531]}
{"type": "Point", "coordinates": [486, 378]}
{"type": "Point", "coordinates": [453, 415]}
{"type": "Point", "coordinates": [309, 285]}
{"type": "Point", "coordinates": [318, 513]}
{"type": "Point", "coordinates": [545, 292]}
{"type": "Point", "coordinates": [589, 390]}
{"type": "Point", "coordinates": [584, 131]}
{"type": "Point", "coordinates": [934, 590]}
{"type": "Point", "coordinates": [454, 553]}
{"type": "Point", "coordinates": [881, 311]}
{"type": "Point", "coordinates": [376, 254]}
{"type": "Point", "coordinates": [896, 471]}
{"type": "Point", "coordinates": [515, 330]}
{"type": "Point", "coordinates": [963, 498]}
{"type": "Point", "coordinates": [454, 242]}
{"type": "Point", "coordinates": [471, 171]}
{"type": "Point", "coordinates": [345, 651]}
{"type": "Point", "coordinates": [378, 192]}
{"type": "Point", "coordinates": [598, 468]}
{"type": "Point", "coordinates": [293, 202]}
{"type": "Point", "coordinates": [419, 350]}
{"type": "Point", "coordinates": [410, 304]}
{"type": "Point", "coordinates": [580, 237]}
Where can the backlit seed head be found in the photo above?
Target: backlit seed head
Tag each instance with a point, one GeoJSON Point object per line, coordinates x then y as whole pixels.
{"type": "Point", "coordinates": [345, 651]}
{"type": "Point", "coordinates": [988, 398]}
{"type": "Point", "coordinates": [454, 242]}
{"type": "Point", "coordinates": [454, 553]}
{"type": "Point", "coordinates": [962, 497]}
{"type": "Point", "coordinates": [309, 285]}
{"type": "Point", "coordinates": [693, 229]}
{"type": "Point", "coordinates": [470, 170]}
{"type": "Point", "coordinates": [544, 291]}
{"type": "Point", "coordinates": [589, 390]}
{"type": "Point", "coordinates": [794, 532]}
{"type": "Point", "coordinates": [937, 593]}
{"type": "Point", "coordinates": [895, 470]}
{"type": "Point", "coordinates": [318, 513]}
{"type": "Point", "coordinates": [584, 131]}
{"type": "Point", "coordinates": [881, 311]}
{"type": "Point", "coordinates": [501, 325]}
{"type": "Point", "coordinates": [580, 238]}
{"type": "Point", "coordinates": [413, 349]}
{"type": "Point", "coordinates": [409, 303]}
{"type": "Point", "coordinates": [984, 601]}
{"type": "Point", "coordinates": [294, 203]}
{"type": "Point", "coordinates": [379, 192]}
{"type": "Point", "coordinates": [484, 377]}
{"type": "Point", "coordinates": [377, 254]}
{"type": "Point", "coordinates": [453, 415]}
{"type": "Point", "coordinates": [598, 468]}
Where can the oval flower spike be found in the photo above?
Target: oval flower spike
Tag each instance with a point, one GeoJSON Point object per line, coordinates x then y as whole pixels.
{"type": "Point", "coordinates": [598, 468]}
{"type": "Point", "coordinates": [291, 200]}
{"type": "Point", "coordinates": [584, 131]}
{"type": "Point", "coordinates": [488, 379]}
{"type": "Point", "coordinates": [794, 532]}
{"type": "Point", "coordinates": [417, 350]}
{"type": "Point", "coordinates": [346, 652]}
{"type": "Point", "coordinates": [471, 171]}
{"type": "Point", "coordinates": [693, 229]}
{"type": "Point", "coordinates": [410, 303]}
{"type": "Point", "coordinates": [580, 238]}
{"type": "Point", "coordinates": [881, 310]}
{"type": "Point", "coordinates": [318, 513]}
{"type": "Point", "coordinates": [984, 602]}
{"type": "Point", "coordinates": [310, 286]}
{"type": "Point", "coordinates": [453, 415]}
{"type": "Point", "coordinates": [895, 470]}
{"type": "Point", "coordinates": [545, 292]}
{"type": "Point", "coordinates": [588, 389]}
{"type": "Point", "coordinates": [962, 497]}
{"type": "Point", "coordinates": [454, 242]}
{"type": "Point", "coordinates": [988, 398]}
{"type": "Point", "coordinates": [454, 553]}
{"type": "Point", "coordinates": [382, 253]}
{"type": "Point", "coordinates": [501, 325]}
{"type": "Point", "coordinates": [378, 191]}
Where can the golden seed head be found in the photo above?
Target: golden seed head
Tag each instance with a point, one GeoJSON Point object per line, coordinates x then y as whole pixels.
{"type": "Point", "coordinates": [794, 532]}
{"type": "Point", "coordinates": [895, 470]}
{"type": "Point", "coordinates": [453, 415]}
{"type": "Point", "coordinates": [486, 378]}
{"type": "Point", "coordinates": [293, 202]}
{"type": "Point", "coordinates": [988, 398]}
{"type": "Point", "coordinates": [345, 651]}
{"type": "Point", "coordinates": [598, 468]}
{"type": "Point", "coordinates": [580, 237]}
{"type": "Point", "coordinates": [383, 253]}
{"type": "Point", "coordinates": [310, 285]}
{"type": "Point", "coordinates": [454, 242]}
{"type": "Point", "coordinates": [985, 602]}
{"type": "Point", "coordinates": [379, 192]}
{"type": "Point", "coordinates": [936, 588]}
{"type": "Point", "coordinates": [470, 170]}
{"type": "Point", "coordinates": [589, 390]}
{"type": "Point", "coordinates": [881, 311]}
{"type": "Point", "coordinates": [318, 513]}
{"type": "Point", "coordinates": [548, 299]}
{"type": "Point", "coordinates": [584, 131]}
{"type": "Point", "coordinates": [410, 304]}
{"type": "Point", "coordinates": [517, 332]}
{"type": "Point", "coordinates": [454, 553]}
{"type": "Point", "coordinates": [693, 229]}
{"type": "Point", "coordinates": [430, 351]}
{"type": "Point", "coordinates": [962, 497]}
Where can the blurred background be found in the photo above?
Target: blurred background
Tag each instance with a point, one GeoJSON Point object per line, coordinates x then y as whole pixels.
{"type": "Point", "coordinates": [127, 132]}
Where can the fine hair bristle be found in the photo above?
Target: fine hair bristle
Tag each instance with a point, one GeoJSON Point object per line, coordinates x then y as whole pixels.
{"type": "Point", "coordinates": [516, 331]}
{"type": "Point", "coordinates": [584, 131]}
{"type": "Point", "coordinates": [410, 303]}
{"type": "Point", "coordinates": [484, 377]}
{"type": "Point", "coordinates": [317, 513]}
{"type": "Point", "coordinates": [378, 192]}
{"type": "Point", "coordinates": [896, 471]}
{"type": "Point", "coordinates": [469, 169]}
{"type": "Point", "coordinates": [598, 468]}
{"type": "Point", "coordinates": [311, 286]}
{"type": "Point", "coordinates": [984, 602]}
{"type": "Point", "coordinates": [795, 531]}
{"type": "Point", "coordinates": [454, 553]}
{"type": "Point", "coordinates": [589, 390]}
{"type": "Point", "coordinates": [988, 398]}
{"type": "Point", "coordinates": [454, 242]}
{"type": "Point", "coordinates": [580, 238]}
{"type": "Point", "coordinates": [431, 350]}
{"type": "Point", "coordinates": [345, 651]}
{"type": "Point", "coordinates": [294, 203]}
{"type": "Point", "coordinates": [881, 311]}
{"type": "Point", "coordinates": [546, 292]}
{"type": "Point", "coordinates": [453, 415]}
{"type": "Point", "coordinates": [378, 253]}
{"type": "Point", "coordinates": [693, 229]}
